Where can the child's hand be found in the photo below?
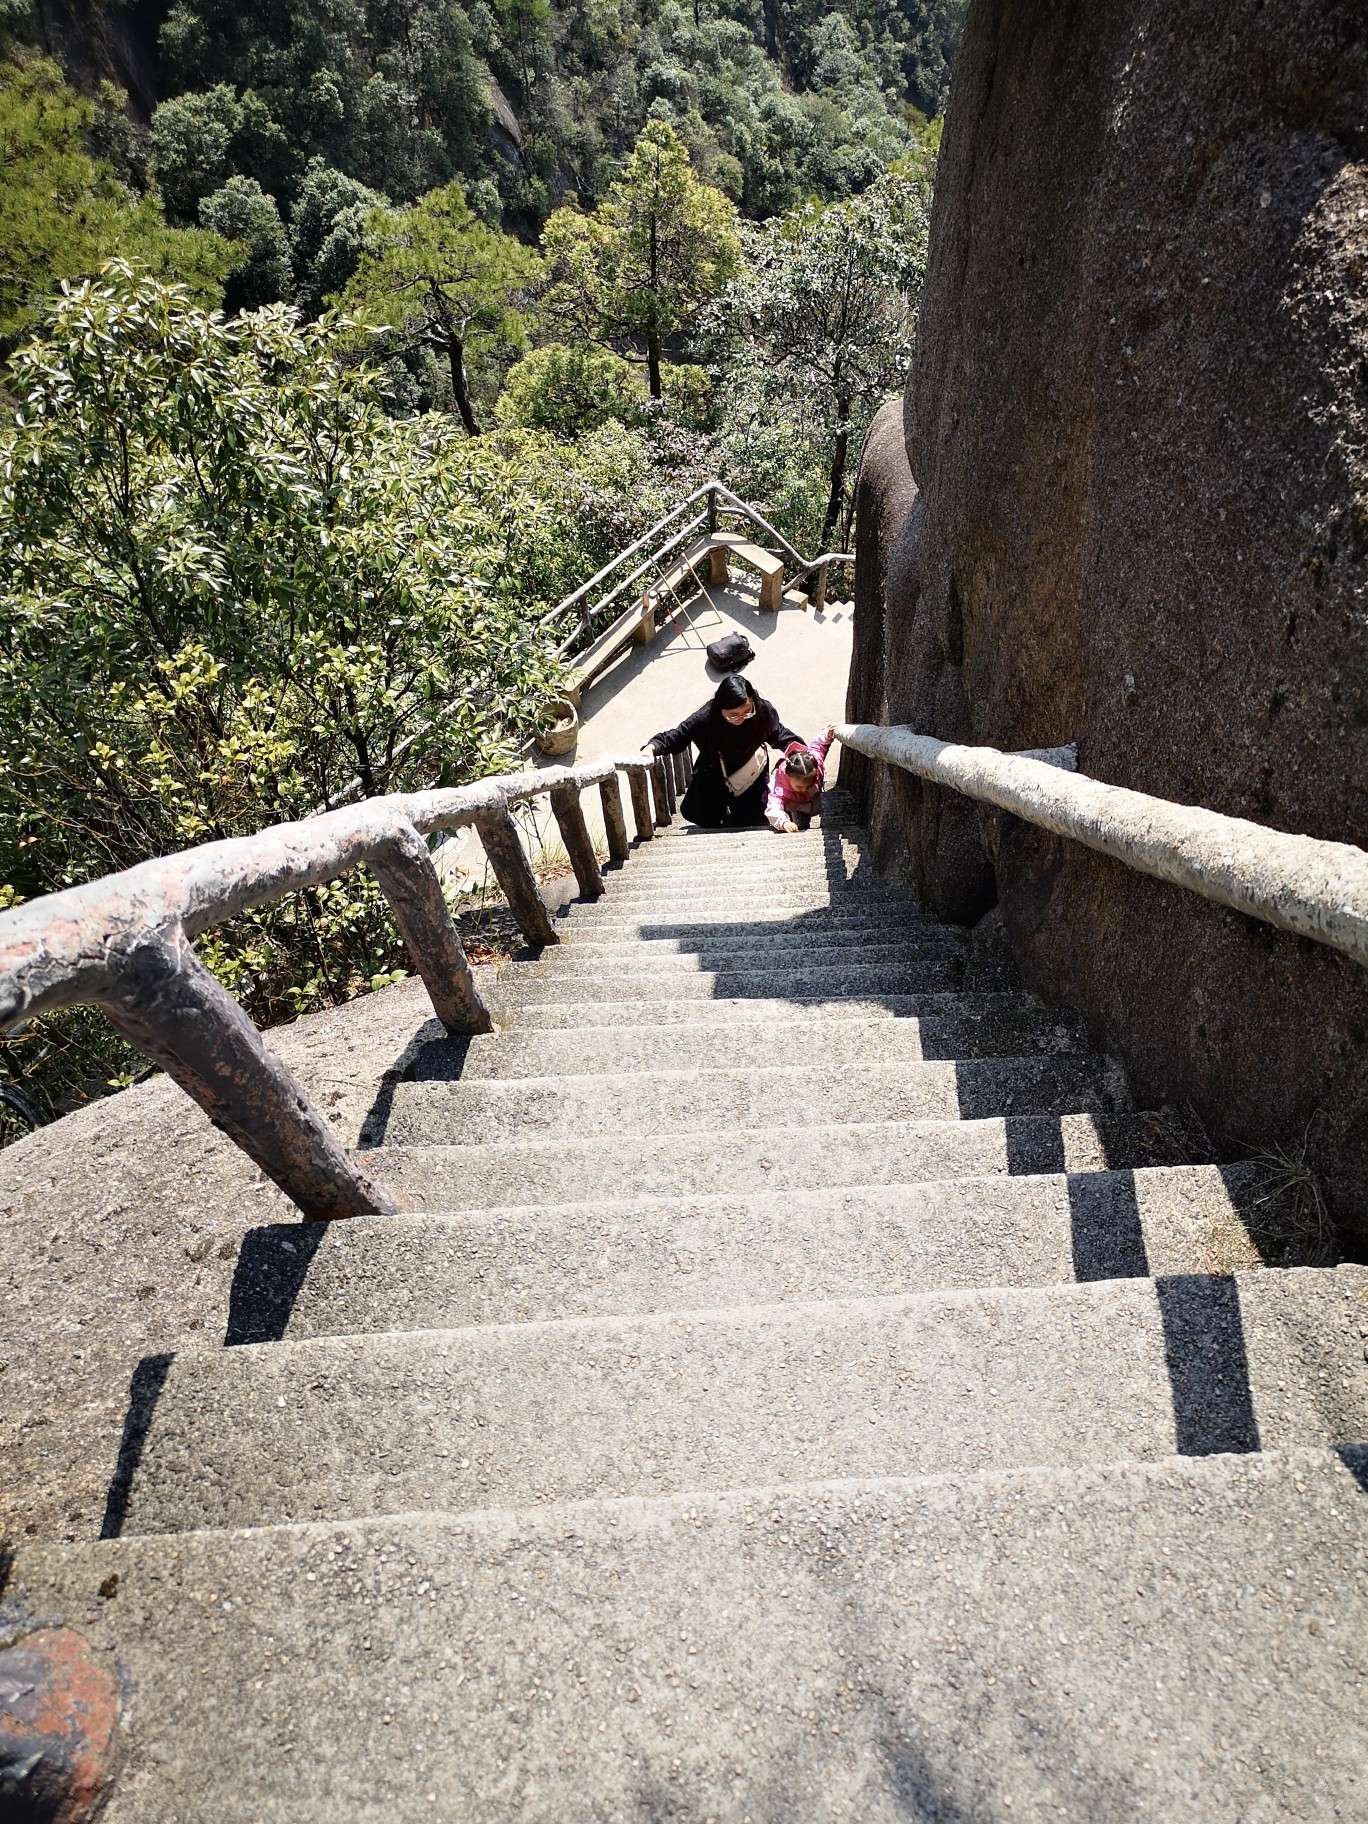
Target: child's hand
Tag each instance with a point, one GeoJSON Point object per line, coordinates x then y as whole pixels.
{"type": "Point", "coordinates": [829, 732]}
{"type": "Point", "coordinates": [790, 827]}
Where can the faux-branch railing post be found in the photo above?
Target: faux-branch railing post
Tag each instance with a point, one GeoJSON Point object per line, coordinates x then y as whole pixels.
{"type": "Point", "coordinates": [125, 943]}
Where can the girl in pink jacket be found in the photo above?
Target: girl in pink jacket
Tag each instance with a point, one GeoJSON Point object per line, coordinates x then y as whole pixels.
{"type": "Point", "coordinates": [795, 793]}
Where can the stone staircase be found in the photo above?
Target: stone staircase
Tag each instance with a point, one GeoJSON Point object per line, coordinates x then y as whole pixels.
{"type": "Point", "coordinates": [804, 1388]}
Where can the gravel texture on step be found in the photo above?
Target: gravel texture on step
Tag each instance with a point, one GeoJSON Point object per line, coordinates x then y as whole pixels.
{"type": "Point", "coordinates": [555, 1011]}
{"type": "Point", "coordinates": [796, 945]}
{"type": "Point", "coordinates": [593, 924]}
{"type": "Point", "coordinates": [831, 979]}
{"type": "Point", "coordinates": [890, 1152]}
{"type": "Point", "coordinates": [518, 1414]}
{"type": "Point", "coordinates": [796, 950]}
{"type": "Point", "coordinates": [800, 958]}
{"type": "Point", "coordinates": [814, 883]}
{"type": "Point", "coordinates": [622, 894]}
{"type": "Point", "coordinates": [764, 1094]}
{"type": "Point", "coordinates": [840, 1044]}
{"type": "Point", "coordinates": [1172, 1643]}
{"type": "Point", "coordinates": [667, 1254]}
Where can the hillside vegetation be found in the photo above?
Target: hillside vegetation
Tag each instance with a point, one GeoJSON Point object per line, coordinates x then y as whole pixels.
{"type": "Point", "coordinates": [305, 542]}
{"type": "Point", "coordinates": [776, 100]}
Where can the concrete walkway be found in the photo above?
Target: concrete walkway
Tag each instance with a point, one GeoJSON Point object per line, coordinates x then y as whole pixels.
{"type": "Point", "coordinates": [801, 664]}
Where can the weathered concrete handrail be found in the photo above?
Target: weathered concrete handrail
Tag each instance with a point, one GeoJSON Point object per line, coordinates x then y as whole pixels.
{"type": "Point", "coordinates": [1301, 884]}
{"type": "Point", "coordinates": [124, 943]}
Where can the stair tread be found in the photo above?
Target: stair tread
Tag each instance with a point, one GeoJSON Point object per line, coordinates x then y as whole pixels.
{"type": "Point", "coordinates": [800, 1385]}
{"type": "Point", "coordinates": [796, 1651]}
{"type": "Point", "coordinates": [499, 1265]}
{"type": "Point", "coordinates": [927, 1383]}
{"type": "Point", "coordinates": [567, 1170]}
{"type": "Point", "coordinates": [661, 1100]}
{"type": "Point", "coordinates": [831, 978]}
{"type": "Point", "coordinates": [843, 1042]}
{"type": "Point", "coordinates": [557, 1012]}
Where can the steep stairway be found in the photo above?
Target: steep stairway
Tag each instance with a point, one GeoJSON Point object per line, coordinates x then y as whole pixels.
{"type": "Point", "coordinates": [802, 1386]}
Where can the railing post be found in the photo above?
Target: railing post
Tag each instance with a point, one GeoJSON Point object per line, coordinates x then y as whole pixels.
{"type": "Point", "coordinates": [410, 884]}
{"type": "Point", "coordinates": [686, 759]}
{"type": "Point", "coordinates": [681, 784]}
{"type": "Point", "coordinates": [610, 795]}
{"type": "Point", "coordinates": [513, 871]}
{"type": "Point", "coordinates": [166, 1003]}
{"type": "Point", "coordinates": [640, 788]}
{"type": "Point", "coordinates": [664, 801]}
{"type": "Point", "coordinates": [819, 588]}
{"type": "Point", "coordinates": [712, 509]}
{"type": "Point", "coordinates": [565, 802]}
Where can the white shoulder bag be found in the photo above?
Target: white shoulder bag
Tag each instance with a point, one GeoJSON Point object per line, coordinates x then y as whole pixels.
{"type": "Point", "coordinates": [748, 772]}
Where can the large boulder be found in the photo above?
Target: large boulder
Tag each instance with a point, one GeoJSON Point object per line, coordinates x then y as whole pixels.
{"type": "Point", "coordinates": [1132, 512]}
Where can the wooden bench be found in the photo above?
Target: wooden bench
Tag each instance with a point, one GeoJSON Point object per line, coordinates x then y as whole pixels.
{"type": "Point", "coordinates": [721, 547]}
{"type": "Point", "coordinates": [634, 624]}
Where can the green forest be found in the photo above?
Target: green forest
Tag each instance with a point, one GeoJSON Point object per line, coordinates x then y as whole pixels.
{"type": "Point", "coordinates": [339, 343]}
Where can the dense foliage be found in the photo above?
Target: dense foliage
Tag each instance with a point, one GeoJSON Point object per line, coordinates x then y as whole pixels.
{"type": "Point", "coordinates": [234, 583]}
{"type": "Point", "coordinates": [529, 99]}
{"type": "Point", "coordinates": [500, 282]}
{"type": "Point", "coordinates": [63, 211]}
{"type": "Point", "coordinates": [441, 278]}
{"type": "Point", "coordinates": [639, 268]}
{"type": "Point", "coordinates": [816, 327]}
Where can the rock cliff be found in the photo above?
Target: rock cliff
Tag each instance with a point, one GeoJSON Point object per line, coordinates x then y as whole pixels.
{"type": "Point", "coordinates": [1130, 508]}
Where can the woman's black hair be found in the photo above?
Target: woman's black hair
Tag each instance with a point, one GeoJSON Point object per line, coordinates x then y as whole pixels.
{"type": "Point", "coordinates": [731, 693]}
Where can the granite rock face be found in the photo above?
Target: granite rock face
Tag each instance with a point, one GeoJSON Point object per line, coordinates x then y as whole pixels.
{"type": "Point", "coordinates": [1132, 511]}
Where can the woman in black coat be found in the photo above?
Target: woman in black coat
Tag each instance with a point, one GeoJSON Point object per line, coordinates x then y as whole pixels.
{"type": "Point", "coordinates": [731, 733]}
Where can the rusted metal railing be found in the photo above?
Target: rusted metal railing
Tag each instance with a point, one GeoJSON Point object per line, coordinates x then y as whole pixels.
{"type": "Point", "coordinates": [126, 944]}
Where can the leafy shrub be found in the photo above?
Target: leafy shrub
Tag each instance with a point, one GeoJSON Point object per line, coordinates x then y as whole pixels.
{"type": "Point", "coordinates": [233, 585]}
{"type": "Point", "coordinates": [569, 390]}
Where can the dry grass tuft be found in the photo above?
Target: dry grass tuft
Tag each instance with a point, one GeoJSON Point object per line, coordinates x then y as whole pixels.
{"type": "Point", "coordinates": [1287, 1217]}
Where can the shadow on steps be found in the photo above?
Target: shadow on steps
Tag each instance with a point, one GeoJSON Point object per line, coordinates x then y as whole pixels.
{"type": "Point", "coordinates": [271, 1268]}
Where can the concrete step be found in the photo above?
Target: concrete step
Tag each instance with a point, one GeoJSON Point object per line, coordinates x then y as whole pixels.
{"type": "Point", "coordinates": [594, 924]}
{"type": "Point", "coordinates": [833, 979]}
{"type": "Point", "coordinates": [773, 860]}
{"type": "Point", "coordinates": [795, 953]}
{"type": "Point", "coordinates": [813, 924]}
{"type": "Point", "coordinates": [805, 1158]}
{"type": "Point", "coordinates": [624, 891]}
{"type": "Point", "coordinates": [835, 828]}
{"type": "Point", "coordinates": [794, 942]}
{"type": "Point", "coordinates": [749, 1248]}
{"type": "Point", "coordinates": [555, 1011]}
{"type": "Point", "coordinates": [793, 945]}
{"type": "Point", "coordinates": [837, 1044]}
{"type": "Point", "coordinates": [757, 869]}
{"type": "Point", "coordinates": [629, 884]}
{"type": "Point", "coordinates": [765, 1095]}
{"type": "Point", "coordinates": [943, 1383]}
{"type": "Point", "coordinates": [1147, 1642]}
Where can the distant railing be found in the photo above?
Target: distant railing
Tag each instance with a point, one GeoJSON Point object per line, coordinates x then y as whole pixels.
{"type": "Point", "coordinates": [1299, 883]}
{"type": "Point", "coordinates": [125, 943]}
{"type": "Point", "coordinates": [721, 502]}
{"type": "Point", "coordinates": [661, 541]}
